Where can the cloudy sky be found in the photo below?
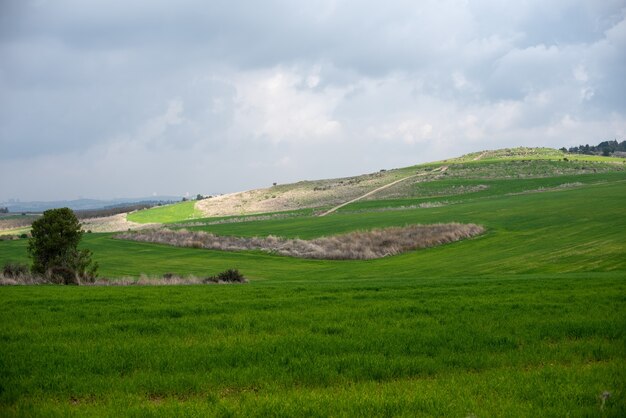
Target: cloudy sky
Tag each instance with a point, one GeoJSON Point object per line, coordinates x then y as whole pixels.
{"type": "Point", "coordinates": [106, 98]}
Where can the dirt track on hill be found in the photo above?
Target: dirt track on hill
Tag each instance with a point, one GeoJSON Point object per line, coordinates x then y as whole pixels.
{"type": "Point", "coordinates": [440, 169]}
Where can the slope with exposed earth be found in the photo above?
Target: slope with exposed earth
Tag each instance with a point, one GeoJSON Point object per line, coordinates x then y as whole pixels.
{"type": "Point", "coordinates": [406, 182]}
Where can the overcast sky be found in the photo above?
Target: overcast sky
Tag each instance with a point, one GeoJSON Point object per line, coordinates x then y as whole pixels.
{"type": "Point", "coordinates": [130, 98]}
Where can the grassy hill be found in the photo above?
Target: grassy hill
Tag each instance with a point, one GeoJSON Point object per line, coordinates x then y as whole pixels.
{"type": "Point", "coordinates": [414, 181]}
{"type": "Point", "coordinates": [528, 319]}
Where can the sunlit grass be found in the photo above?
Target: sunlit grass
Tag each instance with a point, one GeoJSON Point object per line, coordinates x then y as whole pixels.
{"type": "Point", "coordinates": [165, 214]}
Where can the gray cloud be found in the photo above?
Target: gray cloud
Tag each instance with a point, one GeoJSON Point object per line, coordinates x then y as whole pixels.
{"type": "Point", "coordinates": [109, 98]}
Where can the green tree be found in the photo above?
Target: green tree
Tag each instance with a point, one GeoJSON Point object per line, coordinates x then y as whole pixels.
{"type": "Point", "coordinates": [54, 248]}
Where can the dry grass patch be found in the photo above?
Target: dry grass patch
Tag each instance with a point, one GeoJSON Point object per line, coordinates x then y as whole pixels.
{"type": "Point", "coordinates": [112, 223]}
{"type": "Point", "coordinates": [563, 186]}
{"type": "Point", "coordinates": [359, 245]}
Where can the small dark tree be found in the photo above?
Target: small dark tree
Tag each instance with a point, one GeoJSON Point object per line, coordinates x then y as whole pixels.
{"type": "Point", "coordinates": [54, 248]}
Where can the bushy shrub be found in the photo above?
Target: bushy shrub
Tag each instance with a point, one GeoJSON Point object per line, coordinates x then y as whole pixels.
{"type": "Point", "coordinates": [53, 246]}
{"type": "Point", "coordinates": [228, 276]}
{"type": "Point", "coordinates": [62, 275]}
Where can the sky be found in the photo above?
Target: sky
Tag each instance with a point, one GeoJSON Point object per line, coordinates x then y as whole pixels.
{"type": "Point", "coordinates": [108, 98]}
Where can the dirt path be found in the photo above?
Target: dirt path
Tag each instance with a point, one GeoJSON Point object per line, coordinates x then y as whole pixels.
{"type": "Point", "coordinates": [479, 157]}
{"type": "Point", "coordinates": [440, 169]}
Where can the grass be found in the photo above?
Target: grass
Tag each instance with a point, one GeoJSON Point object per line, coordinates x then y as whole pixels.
{"type": "Point", "coordinates": [175, 212]}
{"type": "Point", "coordinates": [523, 346]}
{"type": "Point", "coordinates": [460, 190]}
{"type": "Point", "coordinates": [528, 319]}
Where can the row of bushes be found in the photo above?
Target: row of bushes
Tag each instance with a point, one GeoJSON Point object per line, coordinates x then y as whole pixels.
{"type": "Point", "coordinates": [359, 245]}
{"type": "Point", "coordinates": [17, 273]}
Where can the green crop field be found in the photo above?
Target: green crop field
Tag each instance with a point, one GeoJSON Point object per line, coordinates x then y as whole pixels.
{"type": "Point", "coordinates": [166, 214]}
{"type": "Point", "coordinates": [528, 319]}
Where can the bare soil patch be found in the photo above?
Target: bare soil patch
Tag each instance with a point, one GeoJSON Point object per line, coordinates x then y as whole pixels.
{"type": "Point", "coordinates": [308, 194]}
{"type": "Point", "coordinates": [115, 223]}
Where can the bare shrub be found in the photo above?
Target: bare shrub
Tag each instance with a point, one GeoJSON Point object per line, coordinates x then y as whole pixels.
{"type": "Point", "coordinates": [14, 270]}
{"type": "Point", "coordinates": [169, 279]}
{"type": "Point", "coordinates": [23, 279]}
{"type": "Point", "coordinates": [62, 275]}
{"type": "Point", "coordinates": [359, 245]}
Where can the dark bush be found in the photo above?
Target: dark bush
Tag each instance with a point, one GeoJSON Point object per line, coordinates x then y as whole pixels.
{"type": "Point", "coordinates": [24, 236]}
{"type": "Point", "coordinates": [228, 276]}
{"type": "Point", "coordinates": [62, 275]}
{"type": "Point", "coordinates": [14, 270]}
{"type": "Point", "coordinates": [53, 246]}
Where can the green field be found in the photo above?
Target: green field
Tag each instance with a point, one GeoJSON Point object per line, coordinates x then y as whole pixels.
{"type": "Point", "coordinates": [165, 214]}
{"type": "Point", "coordinates": [528, 319]}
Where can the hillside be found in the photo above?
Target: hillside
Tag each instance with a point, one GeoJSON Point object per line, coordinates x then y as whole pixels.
{"type": "Point", "coordinates": [413, 182]}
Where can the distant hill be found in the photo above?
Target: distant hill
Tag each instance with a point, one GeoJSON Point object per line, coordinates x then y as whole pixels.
{"type": "Point", "coordinates": [84, 204]}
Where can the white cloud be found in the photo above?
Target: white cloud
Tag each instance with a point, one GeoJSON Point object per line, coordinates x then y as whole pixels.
{"type": "Point", "coordinates": [283, 105]}
{"type": "Point", "coordinates": [269, 88]}
{"type": "Point", "coordinates": [580, 73]}
{"type": "Point", "coordinates": [157, 126]}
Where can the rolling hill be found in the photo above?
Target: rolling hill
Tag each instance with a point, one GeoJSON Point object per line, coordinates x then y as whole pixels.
{"type": "Point", "coordinates": [527, 319]}
{"type": "Point", "coordinates": [462, 175]}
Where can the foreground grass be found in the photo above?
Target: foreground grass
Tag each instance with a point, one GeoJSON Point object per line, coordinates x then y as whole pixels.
{"type": "Point", "coordinates": [523, 346]}
{"type": "Point", "coordinates": [175, 212]}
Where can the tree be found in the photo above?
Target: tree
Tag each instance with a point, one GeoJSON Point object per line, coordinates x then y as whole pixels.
{"type": "Point", "coordinates": [54, 248]}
